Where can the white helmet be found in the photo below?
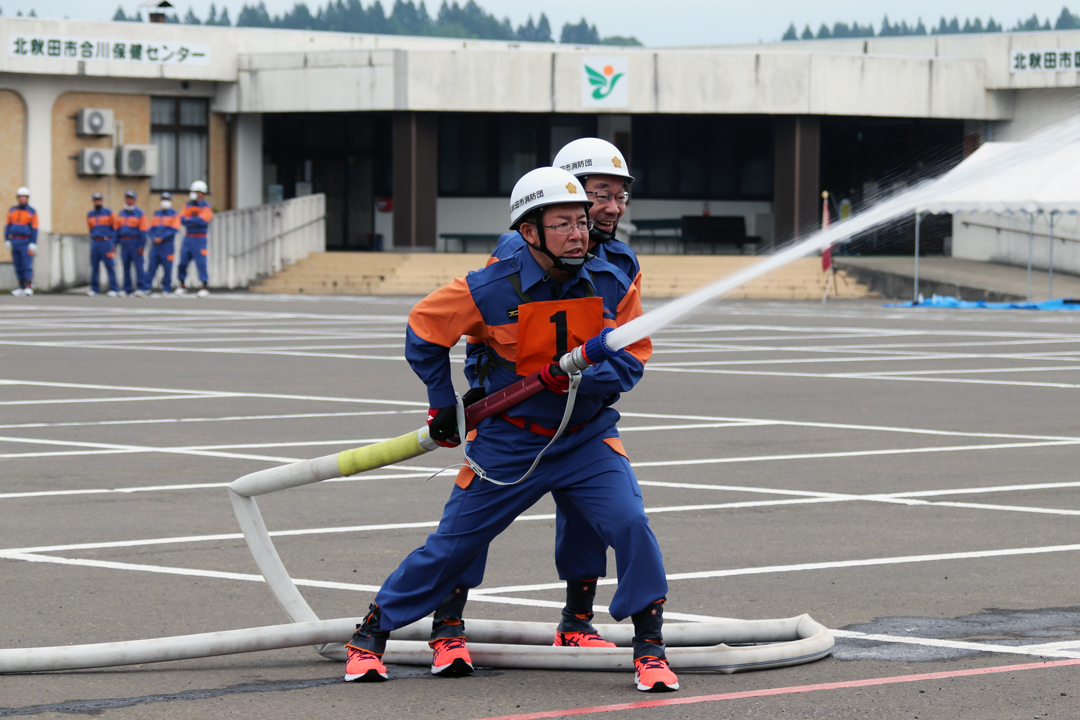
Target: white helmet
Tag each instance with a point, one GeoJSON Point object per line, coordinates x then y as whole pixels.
{"type": "Point", "coordinates": [198, 186]}
{"type": "Point", "coordinates": [542, 187]}
{"type": "Point", "coordinates": [22, 191]}
{"type": "Point", "coordinates": [592, 156]}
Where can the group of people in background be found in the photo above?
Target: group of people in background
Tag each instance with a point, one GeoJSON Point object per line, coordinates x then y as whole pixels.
{"type": "Point", "coordinates": [128, 230]}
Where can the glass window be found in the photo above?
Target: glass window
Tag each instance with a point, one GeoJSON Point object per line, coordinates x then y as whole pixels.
{"type": "Point", "coordinates": [485, 154]}
{"type": "Point", "coordinates": [162, 111]}
{"type": "Point", "coordinates": [193, 112]}
{"type": "Point", "coordinates": [699, 157]}
{"type": "Point", "coordinates": [517, 152]}
{"type": "Point", "coordinates": [179, 127]}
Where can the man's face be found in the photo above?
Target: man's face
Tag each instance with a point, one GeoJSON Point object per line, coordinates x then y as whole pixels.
{"type": "Point", "coordinates": [567, 245]}
{"type": "Point", "coordinates": [607, 214]}
{"type": "Point", "coordinates": [98, 202]}
{"type": "Point", "coordinates": [129, 201]}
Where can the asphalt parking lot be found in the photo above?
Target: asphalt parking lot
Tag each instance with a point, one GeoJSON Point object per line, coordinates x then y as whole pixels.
{"type": "Point", "coordinates": [906, 477]}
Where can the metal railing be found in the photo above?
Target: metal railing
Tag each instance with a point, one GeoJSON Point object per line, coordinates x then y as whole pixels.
{"type": "Point", "coordinates": [249, 244]}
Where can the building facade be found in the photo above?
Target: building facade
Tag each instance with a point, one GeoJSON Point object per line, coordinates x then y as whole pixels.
{"type": "Point", "coordinates": [417, 141]}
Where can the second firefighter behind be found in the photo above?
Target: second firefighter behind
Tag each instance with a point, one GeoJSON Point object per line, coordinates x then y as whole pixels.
{"type": "Point", "coordinates": [164, 225]}
{"type": "Point", "coordinates": [100, 222]}
{"type": "Point", "coordinates": [131, 226]}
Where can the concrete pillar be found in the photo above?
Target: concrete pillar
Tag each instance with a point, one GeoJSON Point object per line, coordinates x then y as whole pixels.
{"type": "Point", "coordinates": [416, 166]}
{"type": "Point", "coordinates": [248, 163]}
{"type": "Point", "coordinates": [796, 176]}
{"type": "Point", "coordinates": [38, 158]}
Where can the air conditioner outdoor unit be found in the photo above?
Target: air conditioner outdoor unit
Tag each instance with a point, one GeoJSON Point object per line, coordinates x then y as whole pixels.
{"type": "Point", "coordinates": [97, 161]}
{"type": "Point", "coordinates": [137, 160]}
{"type": "Point", "coordinates": [95, 121]}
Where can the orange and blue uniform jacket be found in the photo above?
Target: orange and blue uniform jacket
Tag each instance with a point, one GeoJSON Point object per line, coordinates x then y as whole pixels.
{"type": "Point", "coordinates": [197, 217]}
{"type": "Point", "coordinates": [22, 224]}
{"type": "Point", "coordinates": [102, 224]}
{"type": "Point", "coordinates": [164, 225]}
{"type": "Point", "coordinates": [131, 225]}
{"type": "Point", "coordinates": [613, 251]}
{"type": "Point", "coordinates": [482, 305]}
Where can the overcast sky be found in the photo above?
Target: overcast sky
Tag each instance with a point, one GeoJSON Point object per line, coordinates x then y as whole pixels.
{"type": "Point", "coordinates": [672, 22]}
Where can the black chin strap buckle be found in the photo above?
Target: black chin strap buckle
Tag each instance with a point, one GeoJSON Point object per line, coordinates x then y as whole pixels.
{"type": "Point", "coordinates": [599, 236]}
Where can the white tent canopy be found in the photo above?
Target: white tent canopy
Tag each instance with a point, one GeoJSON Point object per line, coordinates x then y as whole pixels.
{"type": "Point", "coordinates": [1012, 178]}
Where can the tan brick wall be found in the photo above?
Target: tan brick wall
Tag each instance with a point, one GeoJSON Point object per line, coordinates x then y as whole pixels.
{"type": "Point", "coordinates": [12, 152]}
{"type": "Point", "coordinates": [71, 192]}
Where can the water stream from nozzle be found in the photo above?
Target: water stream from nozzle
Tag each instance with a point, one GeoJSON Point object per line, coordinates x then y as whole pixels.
{"type": "Point", "coordinates": [1020, 153]}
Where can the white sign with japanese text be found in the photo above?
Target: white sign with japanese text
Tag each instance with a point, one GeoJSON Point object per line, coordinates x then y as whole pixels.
{"type": "Point", "coordinates": [142, 52]}
{"type": "Point", "coordinates": [1057, 60]}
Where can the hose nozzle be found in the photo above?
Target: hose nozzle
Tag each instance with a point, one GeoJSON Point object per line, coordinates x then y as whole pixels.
{"type": "Point", "coordinates": [594, 351]}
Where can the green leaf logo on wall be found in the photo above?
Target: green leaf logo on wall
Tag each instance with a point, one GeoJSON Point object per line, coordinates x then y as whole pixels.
{"type": "Point", "coordinates": [603, 82]}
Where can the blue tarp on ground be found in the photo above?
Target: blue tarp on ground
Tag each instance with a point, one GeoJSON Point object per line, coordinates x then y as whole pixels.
{"type": "Point", "coordinates": [946, 301]}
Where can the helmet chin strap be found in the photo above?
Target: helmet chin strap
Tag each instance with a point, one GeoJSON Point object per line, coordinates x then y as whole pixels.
{"type": "Point", "coordinates": [570, 266]}
{"type": "Point", "coordinates": [600, 237]}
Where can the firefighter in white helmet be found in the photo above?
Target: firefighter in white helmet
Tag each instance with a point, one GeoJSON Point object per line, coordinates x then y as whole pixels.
{"type": "Point", "coordinates": [20, 238]}
{"type": "Point", "coordinates": [536, 304]}
{"type": "Point", "coordinates": [580, 552]}
{"type": "Point", "coordinates": [196, 219]}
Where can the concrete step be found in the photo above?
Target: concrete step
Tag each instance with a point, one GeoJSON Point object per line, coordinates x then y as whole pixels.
{"type": "Point", "coordinates": [663, 276]}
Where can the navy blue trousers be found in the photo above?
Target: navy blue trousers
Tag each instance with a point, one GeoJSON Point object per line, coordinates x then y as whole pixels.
{"type": "Point", "coordinates": [161, 255]}
{"type": "Point", "coordinates": [23, 261]}
{"type": "Point", "coordinates": [588, 474]}
{"type": "Point", "coordinates": [101, 251]}
{"type": "Point", "coordinates": [131, 254]}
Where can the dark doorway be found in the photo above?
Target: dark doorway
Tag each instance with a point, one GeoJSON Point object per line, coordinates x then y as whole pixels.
{"type": "Point", "coordinates": [866, 160]}
{"type": "Point", "coordinates": [347, 156]}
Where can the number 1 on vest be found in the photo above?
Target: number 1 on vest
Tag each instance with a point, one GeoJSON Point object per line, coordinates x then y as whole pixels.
{"type": "Point", "coordinates": [559, 319]}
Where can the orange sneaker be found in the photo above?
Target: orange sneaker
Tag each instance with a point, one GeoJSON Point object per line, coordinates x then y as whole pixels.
{"type": "Point", "coordinates": [653, 675]}
{"type": "Point", "coordinates": [364, 666]}
{"type": "Point", "coordinates": [451, 658]}
{"type": "Point", "coordinates": [581, 639]}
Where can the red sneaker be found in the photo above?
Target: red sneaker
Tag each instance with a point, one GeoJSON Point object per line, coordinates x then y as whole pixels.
{"type": "Point", "coordinates": [364, 666]}
{"type": "Point", "coordinates": [653, 675]}
{"type": "Point", "coordinates": [451, 658]}
{"type": "Point", "coordinates": [581, 639]}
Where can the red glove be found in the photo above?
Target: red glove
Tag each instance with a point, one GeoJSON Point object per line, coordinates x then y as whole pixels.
{"type": "Point", "coordinates": [554, 379]}
{"type": "Point", "coordinates": [442, 426]}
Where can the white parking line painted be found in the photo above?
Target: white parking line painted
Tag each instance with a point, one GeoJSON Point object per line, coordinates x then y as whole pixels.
{"type": "Point", "coordinates": [217, 393]}
{"type": "Point", "coordinates": [143, 449]}
{"type": "Point", "coordinates": [229, 418]}
{"type": "Point", "coordinates": [804, 567]}
{"type": "Point", "coordinates": [1043, 650]}
{"type": "Point", "coordinates": [143, 398]}
{"type": "Point", "coordinates": [854, 453]}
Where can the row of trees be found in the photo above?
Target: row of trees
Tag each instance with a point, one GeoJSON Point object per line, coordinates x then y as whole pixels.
{"type": "Point", "coordinates": [405, 18]}
{"type": "Point", "coordinates": [1065, 21]}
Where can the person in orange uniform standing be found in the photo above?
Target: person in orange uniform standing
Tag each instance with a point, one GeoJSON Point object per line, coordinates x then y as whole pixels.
{"type": "Point", "coordinates": [163, 228]}
{"type": "Point", "coordinates": [131, 227]}
{"type": "Point", "coordinates": [101, 222]}
{"type": "Point", "coordinates": [196, 219]}
{"type": "Point", "coordinates": [20, 237]}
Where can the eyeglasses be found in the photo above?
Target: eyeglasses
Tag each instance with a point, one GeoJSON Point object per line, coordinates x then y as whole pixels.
{"type": "Point", "coordinates": [605, 197]}
{"type": "Point", "coordinates": [564, 228]}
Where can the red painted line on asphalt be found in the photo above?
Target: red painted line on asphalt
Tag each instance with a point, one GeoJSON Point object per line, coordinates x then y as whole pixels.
{"type": "Point", "coordinates": [781, 691]}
